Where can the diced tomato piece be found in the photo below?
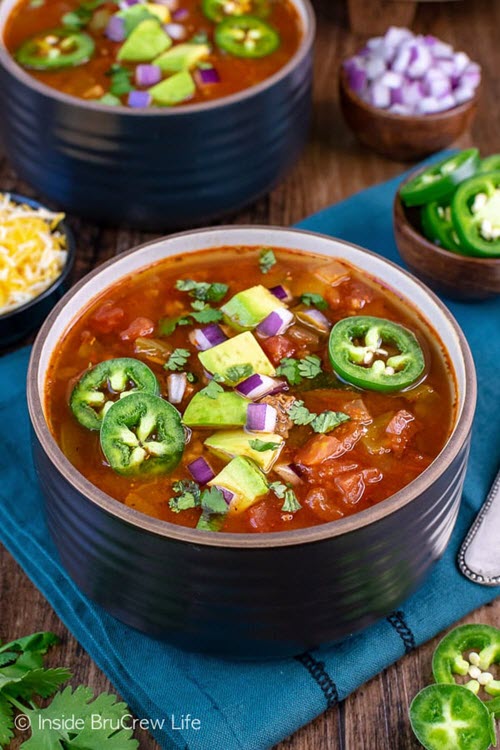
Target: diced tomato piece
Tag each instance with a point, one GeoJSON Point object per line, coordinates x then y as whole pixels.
{"type": "Point", "coordinates": [358, 296]}
{"type": "Point", "coordinates": [400, 430]}
{"type": "Point", "coordinates": [351, 486]}
{"type": "Point", "coordinates": [318, 449]}
{"type": "Point", "coordinates": [323, 504]}
{"type": "Point", "coordinates": [356, 409]}
{"type": "Point", "coordinates": [108, 318]}
{"type": "Point", "coordinates": [263, 516]}
{"type": "Point", "coordinates": [139, 328]}
{"type": "Point", "coordinates": [278, 347]}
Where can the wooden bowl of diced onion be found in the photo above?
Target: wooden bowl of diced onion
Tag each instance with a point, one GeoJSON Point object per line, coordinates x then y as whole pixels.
{"type": "Point", "coordinates": [405, 135]}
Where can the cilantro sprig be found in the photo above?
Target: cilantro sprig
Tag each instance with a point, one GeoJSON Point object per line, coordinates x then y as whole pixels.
{"type": "Point", "coordinates": [267, 259]}
{"type": "Point", "coordinates": [201, 314]}
{"type": "Point", "coordinates": [237, 373]}
{"type": "Point", "coordinates": [286, 493]}
{"type": "Point", "coordinates": [314, 300]}
{"type": "Point", "coordinates": [262, 446]}
{"type": "Point", "coordinates": [177, 360]}
{"type": "Point", "coordinates": [23, 677]}
{"type": "Point", "coordinates": [120, 80]}
{"type": "Point", "coordinates": [295, 370]}
{"type": "Point", "coordinates": [322, 423]}
{"type": "Point", "coordinates": [202, 290]}
{"type": "Point", "coordinates": [212, 390]}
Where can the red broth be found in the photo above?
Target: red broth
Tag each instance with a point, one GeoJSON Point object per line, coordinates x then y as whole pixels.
{"type": "Point", "coordinates": [389, 439]}
{"type": "Point", "coordinates": [92, 80]}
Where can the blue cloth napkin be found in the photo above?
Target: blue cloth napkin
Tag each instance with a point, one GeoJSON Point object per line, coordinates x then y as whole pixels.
{"type": "Point", "coordinates": [253, 706]}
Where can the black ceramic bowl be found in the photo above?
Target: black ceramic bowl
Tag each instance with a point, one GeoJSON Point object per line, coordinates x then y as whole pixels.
{"type": "Point", "coordinates": [164, 167]}
{"type": "Point", "coordinates": [20, 321]}
{"type": "Point", "coordinates": [251, 595]}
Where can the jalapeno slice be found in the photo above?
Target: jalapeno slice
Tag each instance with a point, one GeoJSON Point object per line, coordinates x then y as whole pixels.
{"type": "Point", "coordinates": [438, 227]}
{"type": "Point", "coordinates": [475, 209]}
{"type": "Point", "coordinates": [438, 183]}
{"type": "Point", "coordinates": [142, 435]}
{"type": "Point", "coordinates": [108, 381]}
{"type": "Point", "coordinates": [52, 50]}
{"type": "Point", "coordinates": [470, 651]}
{"type": "Point", "coordinates": [246, 36]}
{"type": "Point", "coordinates": [375, 354]}
{"type": "Point", "coordinates": [217, 10]}
{"type": "Point", "coordinates": [450, 717]}
{"type": "Point", "coordinates": [490, 164]}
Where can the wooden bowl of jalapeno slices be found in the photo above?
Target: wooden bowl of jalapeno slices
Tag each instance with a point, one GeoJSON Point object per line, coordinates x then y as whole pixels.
{"type": "Point", "coordinates": [447, 225]}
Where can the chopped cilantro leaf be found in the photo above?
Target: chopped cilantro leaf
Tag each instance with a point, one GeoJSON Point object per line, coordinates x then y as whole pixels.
{"type": "Point", "coordinates": [202, 290]}
{"type": "Point", "coordinates": [289, 368]}
{"type": "Point", "coordinates": [198, 304]}
{"type": "Point", "coordinates": [267, 259]}
{"type": "Point", "coordinates": [328, 420]}
{"type": "Point", "coordinates": [291, 504]}
{"type": "Point", "coordinates": [201, 37]}
{"type": "Point", "coordinates": [210, 522]}
{"type": "Point", "coordinates": [212, 390]}
{"type": "Point", "coordinates": [177, 359]}
{"type": "Point", "coordinates": [310, 366]}
{"type": "Point", "coordinates": [187, 495]}
{"type": "Point", "coordinates": [262, 446]}
{"type": "Point", "coordinates": [207, 315]}
{"type": "Point", "coordinates": [120, 80]}
{"type": "Point", "coordinates": [278, 488]}
{"type": "Point", "coordinates": [212, 501]}
{"type": "Point", "coordinates": [236, 373]}
{"type": "Point", "coordinates": [314, 300]}
{"type": "Point", "coordinates": [300, 414]}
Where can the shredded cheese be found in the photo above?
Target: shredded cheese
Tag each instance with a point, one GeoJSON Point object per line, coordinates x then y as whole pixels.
{"type": "Point", "coordinates": [32, 252]}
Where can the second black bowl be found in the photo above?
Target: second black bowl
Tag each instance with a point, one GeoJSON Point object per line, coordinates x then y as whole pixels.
{"type": "Point", "coordinates": [160, 168]}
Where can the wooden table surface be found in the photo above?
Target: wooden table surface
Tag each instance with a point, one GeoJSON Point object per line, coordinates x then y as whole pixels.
{"type": "Point", "coordinates": [332, 167]}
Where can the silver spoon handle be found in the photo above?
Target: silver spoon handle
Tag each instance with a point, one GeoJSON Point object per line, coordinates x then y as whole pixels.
{"type": "Point", "coordinates": [479, 556]}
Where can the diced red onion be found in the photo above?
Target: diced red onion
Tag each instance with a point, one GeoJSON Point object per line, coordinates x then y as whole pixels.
{"type": "Point", "coordinates": [147, 75]}
{"type": "Point", "coordinates": [139, 99]}
{"type": "Point", "coordinates": [315, 319]}
{"type": "Point", "coordinates": [206, 338]}
{"type": "Point", "coordinates": [201, 471]}
{"type": "Point", "coordinates": [170, 4]}
{"type": "Point", "coordinates": [410, 74]}
{"type": "Point", "coordinates": [287, 473]}
{"type": "Point", "coordinates": [176, 31]}
{"type": "Point", "coordinates": [115, 29]}
{"type": "Point", "coordinates": [207, 76]}
{"type": "Point", "coordinates": [228, 495]}
{"type": "Point", "coordinates": [261, 418]}
{"type": "Point", "coordinates": [124, 4]}
{"type": "Point", "coordinates": [180, 14]}
{"type": "Point", "coordinates": [176, 385]}
{"type": "Point", "coordinates": [281, 293]}
{"type": "Point", "coordinates": [257, 386]}
{"type": "Point", "coordinates": [276, 323]}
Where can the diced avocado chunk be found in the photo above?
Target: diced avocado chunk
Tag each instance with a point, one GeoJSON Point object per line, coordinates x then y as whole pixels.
{"type": "Point", "coordinates": [227, 409]}
{"type": "Point", "coordinates": [147, 41]}
{"type": "Point", "coordinates": [182, 57]}
{"type": "Point", "coordinates": [245, 479]}
{"type": "Point", "coordinates": [160, 11]}
{"type": "Point", "coordinates": [249, 308]}
{"type": "Point", "coordinates": [242, 349]}
{"type": "Point", "coordinates": [173, 90]}
{"type": "Point", "coordinates": [231, 443]}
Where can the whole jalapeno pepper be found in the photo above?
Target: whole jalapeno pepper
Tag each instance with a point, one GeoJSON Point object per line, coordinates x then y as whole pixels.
{"type": "Point", "coordinates": [142, 435]}
{"type": "Point", "coordinates": [108, 381]}
{"type": "Point", "coordinates": [375, 354]}
{"type": "Point", "coordinates": [52, 50]}
{"type": "Point", "coordinates": [439, 182]}
{"type": "Point", "coordinates": [470, 651]}
{"type": "Point", "coordinates": [475, 210]}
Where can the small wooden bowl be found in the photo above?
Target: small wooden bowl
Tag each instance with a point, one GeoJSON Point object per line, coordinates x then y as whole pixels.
{"type": "Point", "coordinates": [403, 137]}
{"type": "Point", "coordinates": [461, 277]}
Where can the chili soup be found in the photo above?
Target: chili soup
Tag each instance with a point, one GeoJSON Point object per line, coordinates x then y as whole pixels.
{"type": "Point", "coordinates": [301, 393]}
{"type": "Point", "coordinates": [145, 54]}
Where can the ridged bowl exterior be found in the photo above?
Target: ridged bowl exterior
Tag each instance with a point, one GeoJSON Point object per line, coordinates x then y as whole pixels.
{"type": "Point", "coordinates": [251, 595]}
{"type": "Point", "coordinates": [157, 169]}
{"type": "Point", "coordinates": [249, 602]}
